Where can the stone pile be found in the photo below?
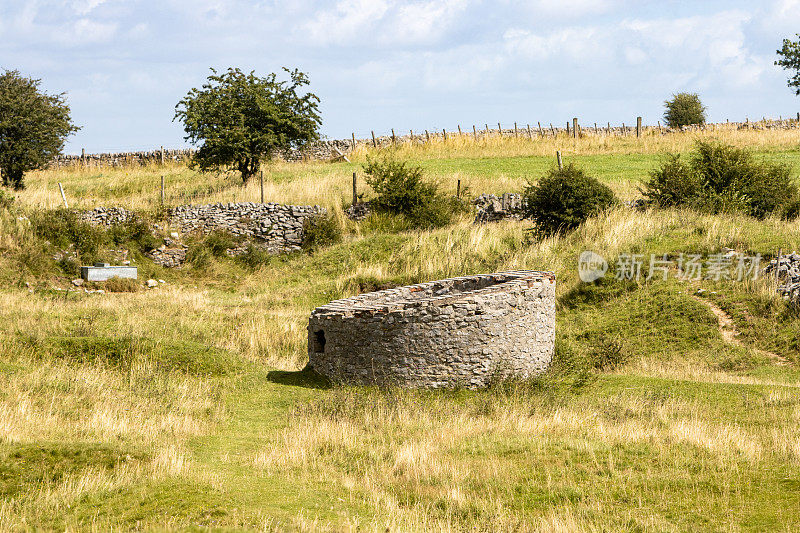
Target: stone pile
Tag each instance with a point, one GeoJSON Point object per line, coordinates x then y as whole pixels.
{"type": "Point", "coordinates": [788, 274]}
{"type": "Point", "coordinates": [169, 256]}
{"type": "Point", "coordinates": [107, 216]}
{"type": "Point", "coordinates": [358, 211]}
{"type": "Point", "coordinates": [491, 208]}
{"type": "Point", "coordinates": [459, 332]}
{"type": "Point", "coordinates": [277, 227]}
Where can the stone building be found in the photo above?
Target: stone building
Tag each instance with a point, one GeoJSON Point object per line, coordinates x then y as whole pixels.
{"type": "Point", "coordinates": [459, 332]}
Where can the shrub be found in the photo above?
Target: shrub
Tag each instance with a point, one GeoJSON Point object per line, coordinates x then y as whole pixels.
{"type": "Point", "coordinates": [402, 190]}
{"type": "Point", "coordinates": [673, 183]}
{"type": "Point", "coordinates": [218, 242]}
{"type": "Point", "coordinates": [135, 232]}
{"type": "Point", "coordinates": [6, 200]}
{"type": "Point", "coordinates": [320, 231]}
{"type": "Point", "coordinates": [722, 178]}
{"type": "Point", "coordinates": [565, 198]}
{"type": "Point", "coordinates": [684, 109]}
{"type": "Point", "coordinates": [255, 257]}
{"type": "Point", "coordinates": [63, 228]}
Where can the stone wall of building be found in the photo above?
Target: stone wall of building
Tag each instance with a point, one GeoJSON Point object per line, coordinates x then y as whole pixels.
{"type": "Point", "coordinates": [455, 332]}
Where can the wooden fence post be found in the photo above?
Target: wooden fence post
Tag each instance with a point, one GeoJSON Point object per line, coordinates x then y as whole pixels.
{"type": "Point", "coordinates": [474, 132]}
{"type": "Point", "coordinates": [162, 190]}
{"type": "Point", "coordinates": [659, 127]}
{"type": "Point", "coordinates": [608, 129]}
{"type": "Point", "coordinates": [624, 131]}
{"type": "Point", "coordinates": [530, 136]}
{"type": "Point", "coordinates": [638, 127]}
{"type": "Point", "coordinates": [354, 140]}
{"type": "Point", "coordinates": [575, 128]}
{"type": "Point", "coordinates": [261, 179]}
{"type": "Point", "coordinates": [486, 126]}
{"type": "Point", "coordinates": [427, 136]}
{"type": "Point", "coordinates": [355, 192]}
{"type": "Point", "coordinates": [458, 189]}
{"type": "Point", "coordinates": [541, 133]}
{"type": "Point", "coordinates": [552, 129]}
{"type": "Point", "coordinates": [394, 139]}
{"type": "Point", "coordinates": [444, 134]}
{"type": "Point", "coordinates": [374, 144]}
{"type": "Point", "coordinates": [63, 196]}
{"type": "Point", "coordinates": [83, 156]}
{"type": "Point", "coordinates": [558, 160]}
{"type": "Point", "coordinates": [568, 128]}
{"type": "Point", "coordinates": [515, 129]}
{"type": "Point", "coordinates": [162, 156]}
{"type": "Point", "coordinates": [459, 130]}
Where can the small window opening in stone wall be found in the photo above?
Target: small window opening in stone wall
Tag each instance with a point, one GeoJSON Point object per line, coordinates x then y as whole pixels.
{"type": "Point", "coordinates": [319, 341]}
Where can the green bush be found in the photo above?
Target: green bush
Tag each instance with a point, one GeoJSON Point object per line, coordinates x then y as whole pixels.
{"type": "Point", "coordinates": [255, 257]}
{"type": "Point", "coordinates": [684, 109]}
{"type": "Point", "coordinates": [722, 178]}
{"type": "Point", "coordinates": [320, 231]}
{"type": "Point", "coordinates": [565, 198]}
{"type": "Point", "coordinates": [134, 233]}
{"type": "Point", "coordinates": [62, 228]}
{"type": "Point", "coordinates": [6, 200]}
{"type": "Point", "coordinates": [218, 242]}
{"type": "Point", "coordinates": [672, 184]}
{"type": "Point", "coordinates": [402, 190]}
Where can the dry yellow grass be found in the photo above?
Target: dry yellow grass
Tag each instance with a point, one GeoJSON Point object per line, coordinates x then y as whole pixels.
{"type": "Point", "coordinates": [669, 441]}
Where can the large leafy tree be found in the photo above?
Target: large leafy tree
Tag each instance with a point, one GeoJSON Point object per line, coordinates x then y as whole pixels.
{"type": "Point", "coordinates": [33, 127]}
{"type": "Point", "coordinates": [684, 109]}
{"type": "Point", "coordinates": [790, 60]}
{"type": "Point", "coordinates": [242, 119]}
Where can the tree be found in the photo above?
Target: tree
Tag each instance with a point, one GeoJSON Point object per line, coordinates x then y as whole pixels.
{"type": "Point", "coordinates": [684, 109]}
{"type": "Point", "coordinates": [33, 127]}
{"type": "Point", "coordinates": [791, 61]}
{"type": "Point", "coordinates": [242, 119]}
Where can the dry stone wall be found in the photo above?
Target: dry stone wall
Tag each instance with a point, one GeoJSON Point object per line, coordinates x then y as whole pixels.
{"type": "Point", "coordinates": [455, 332]}
{"type": "Point", "coordinates": [331, 149]}
{"type": "Point", "coordinates": [278, 227]}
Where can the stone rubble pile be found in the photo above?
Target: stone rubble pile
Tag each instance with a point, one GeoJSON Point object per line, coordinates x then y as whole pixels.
{"type": "Point", "coordinates": [169, 257]}
{"type": "Point", "coordinates": [358, 211]}
{"type": "Point", "coordinates": [107, 216]}
{"type": "Point", "coordinates": [491, 208]}
{"type": "Point", "coordinates": [788, 274]}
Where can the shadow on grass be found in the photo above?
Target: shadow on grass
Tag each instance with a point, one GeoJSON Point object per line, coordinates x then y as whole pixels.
{"type": "Point", "coordinates": [307, 378]}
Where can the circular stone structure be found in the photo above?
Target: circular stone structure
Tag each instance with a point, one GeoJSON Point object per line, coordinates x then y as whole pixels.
{"type": "Point", "coordinates": [458, 332]}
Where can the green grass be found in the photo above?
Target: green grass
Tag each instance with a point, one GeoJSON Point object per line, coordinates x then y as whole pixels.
{"type": "Point", "coordinates": [184, 407]}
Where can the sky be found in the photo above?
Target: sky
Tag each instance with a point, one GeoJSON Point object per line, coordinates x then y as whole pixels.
{"type": "Point", "coordinates": [381, 64]}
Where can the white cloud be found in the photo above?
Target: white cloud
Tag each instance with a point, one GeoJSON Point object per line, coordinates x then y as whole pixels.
{"type": "Point", "coordinates": [387, 22]}
{"type": "Point", "coordinates": [571, 8]}
{"type": "Point", "coordinates": [348, 21]}
{"type": "Point", "coordinates": [84, 7]}
{"type": "Point", "coordinates": [576, 44]}
{"type": "Point", "coordinates": [85, 31]}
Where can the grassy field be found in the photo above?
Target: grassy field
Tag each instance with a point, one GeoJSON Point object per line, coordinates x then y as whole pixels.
{"type": "Point", "coordinates": [184, 407]}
